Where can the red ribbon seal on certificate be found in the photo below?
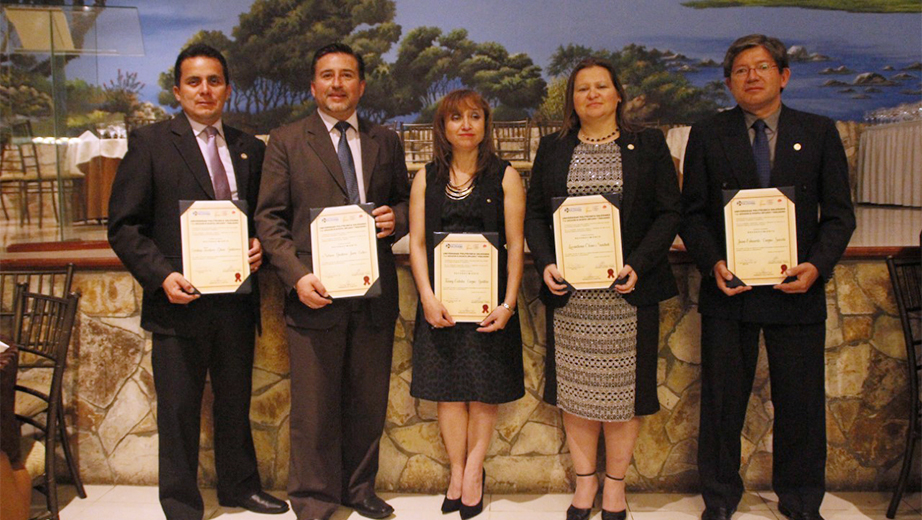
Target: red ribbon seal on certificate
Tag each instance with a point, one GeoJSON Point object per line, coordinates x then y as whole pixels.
{"type": "Point", "coordinates": [367, 281]}
{"type": "Point", "coordinates": [784, 267]}
{"type": "Point", "coordinates": [236, 277]}
{"type": "Point", "coordinates": [486, 309]}
{"type": "Point", "coordinates": [611, 273]}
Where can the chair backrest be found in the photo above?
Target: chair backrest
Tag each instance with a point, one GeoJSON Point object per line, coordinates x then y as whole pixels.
{"type": "Point", "coordinates": [42, 330]}
{"type": "Point", "coordinates": [417, 141]}
{"type": "Point", "coordinates": [548, 127]}
{"type": "Point", "coordinates": [53, 282]}
{"type": "Point", "coordinates": [906, 276]}
{"type": "Point", "coordinates": [513, 140]}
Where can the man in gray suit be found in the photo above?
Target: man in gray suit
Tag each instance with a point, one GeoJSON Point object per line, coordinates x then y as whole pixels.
{"type": "Point", "coordinates": [340, 350]}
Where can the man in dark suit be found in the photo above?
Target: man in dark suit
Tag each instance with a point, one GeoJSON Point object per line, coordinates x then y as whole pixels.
{"type": "Point", "coordinates": [193, 157]}
{"type": "Point", "coordinates": [762, 143]}
{"type": "Point", "coordinates": [340, 350]}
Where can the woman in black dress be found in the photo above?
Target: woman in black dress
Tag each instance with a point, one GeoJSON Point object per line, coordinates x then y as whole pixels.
{"type": "Point", "coordinates": [468, 368]}
{"type": "Point", "coordinates": [602, 343]}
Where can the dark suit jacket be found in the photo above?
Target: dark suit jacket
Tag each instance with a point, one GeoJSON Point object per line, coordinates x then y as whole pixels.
{"type": "Point", "coordinates": [650, 209]}
{"type": "Point", "coordinates": [719, 157]}
{"type": "Point", "coordinates": [163, 166]}
{"type": "Point", "coordinates": [301, 171]}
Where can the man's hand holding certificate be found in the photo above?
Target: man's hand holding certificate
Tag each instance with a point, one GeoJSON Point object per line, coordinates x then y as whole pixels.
{"type": "Point", "coordinates": [344, 252]}
{"type": "Point", "coordinates": [761, 237]}
{"type": "Point", "coordinates": [215, 247]}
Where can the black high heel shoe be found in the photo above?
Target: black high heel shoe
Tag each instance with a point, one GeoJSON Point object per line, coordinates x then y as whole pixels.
{"type": "Point", "coordinates": [474, 510]}
{"type": "Point", "coordinates": [450, 505]}
{"type": "Point", "coordinates": [614, 515]}
{"type": "Point", "coordinates": [577, 513]}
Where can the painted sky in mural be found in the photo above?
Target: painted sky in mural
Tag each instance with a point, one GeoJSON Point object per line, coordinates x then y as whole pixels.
{"type": "Point", "coordinates": [855, 42]}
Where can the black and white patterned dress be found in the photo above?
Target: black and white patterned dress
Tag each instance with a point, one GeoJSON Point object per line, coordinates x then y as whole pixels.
{"type": "Point", "coordinates": [596, 331]}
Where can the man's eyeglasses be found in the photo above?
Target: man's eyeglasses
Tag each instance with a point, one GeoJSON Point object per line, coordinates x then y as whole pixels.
{"type": "Point", "coordinates": [760, 68]}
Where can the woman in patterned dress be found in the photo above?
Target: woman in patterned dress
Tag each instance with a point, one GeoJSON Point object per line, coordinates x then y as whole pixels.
{"type": "Point", "coordinates": [468, 368]}
{"type": "Point", "coordinates": [602, 343]}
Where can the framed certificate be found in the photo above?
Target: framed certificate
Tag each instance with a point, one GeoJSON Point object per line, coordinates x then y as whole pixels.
{"type": "Point", "coordinates": [761, 232]}
{"type": "Point", "coordinates": [215, 243]}
{"type": "Point", "coordinates": [344, 250]}
{"type": "Point", "coordinates": [587, 240]}
{"type": "Point", "coordinates": [467, 274]}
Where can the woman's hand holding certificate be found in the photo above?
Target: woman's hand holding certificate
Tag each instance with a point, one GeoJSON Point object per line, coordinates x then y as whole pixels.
{"type": "Point", "coordinates": [587, 238]}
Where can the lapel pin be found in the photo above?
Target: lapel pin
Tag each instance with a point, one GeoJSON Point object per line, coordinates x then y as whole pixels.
{"type": "Point", "coordinates": [630, 146]}
{"type": "Point", "coordinates": [797, 147]}
{"type": "Point", "coordinates": [244, 156]}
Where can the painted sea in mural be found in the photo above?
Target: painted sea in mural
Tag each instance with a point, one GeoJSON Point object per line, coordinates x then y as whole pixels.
{"type": "Point", "coordinates": [851, 62]}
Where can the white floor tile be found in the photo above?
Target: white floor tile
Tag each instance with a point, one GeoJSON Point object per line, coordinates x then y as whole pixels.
{"type": "Point", "coordinates": [652, 502]}
{"type": "Point", "coordinates": [99, 511]}
{"type": "Point", "coordinates": [870, 502]}
{"type": "Point", "coordinates": [413, 502]}
{"type": "Point", "coordinates": [875, 515]}
{"type": "Point", "coordinates": [130, 495]}
{"type": "Point", "coordinates": [665, 515]}
{"type": "Point", "coordinates": [236, 513]}
{"type": "Point", "coordinates": [913, 500]}
{"type": "Point", "coordinates": [524, 503]}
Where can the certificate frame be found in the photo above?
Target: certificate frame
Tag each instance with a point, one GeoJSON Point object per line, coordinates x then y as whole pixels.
{"type": "Point", "coordinates": [761, 234]}
{"type": "Point", "coordinates": [344, 250]}
{"type": "Point", "coordinates": [459, 281]}
{"type": "Point", "coordinates": [215, 245]}
{"type": "Point", "coordinates": [588, 224]}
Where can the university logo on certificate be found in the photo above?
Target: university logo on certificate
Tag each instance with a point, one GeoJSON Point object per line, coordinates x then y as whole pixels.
{"type": "Point", "coordinates": [587, 240]}
{"type": "Point", "coordinates": [215, 245]}
{"type": "Point", "coordinates": [761, 229]}
{"type": "Point", "coordinates": [344, 250]}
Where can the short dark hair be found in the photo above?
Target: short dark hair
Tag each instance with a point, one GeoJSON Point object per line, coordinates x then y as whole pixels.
{"type": "Point", "coordinates": [773, 45]}
{"type": "Point", "coordinates": [194, 51]}
{"type": "Point", "coordinates": [571, 119]}
{"type": "Point", "coordinates": [337, 48]}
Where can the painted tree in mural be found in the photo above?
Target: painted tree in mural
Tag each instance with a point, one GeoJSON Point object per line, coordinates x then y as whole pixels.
{"type": "Point", "coordinates": [430, 64]}
{"type": "Point", "coordinates": [658, 93]}
{"type": "Point", "coordinates": [270, 53]}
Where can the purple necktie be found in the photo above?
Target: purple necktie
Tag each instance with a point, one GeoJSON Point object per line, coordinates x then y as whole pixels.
{"type": "Point", "coordinates": [216, 166]}
{"type": "Point", "coordinates": [762, 154]}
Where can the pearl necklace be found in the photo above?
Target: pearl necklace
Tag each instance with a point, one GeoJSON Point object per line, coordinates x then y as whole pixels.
{"type": "Point", "coordinates": [600, 139]}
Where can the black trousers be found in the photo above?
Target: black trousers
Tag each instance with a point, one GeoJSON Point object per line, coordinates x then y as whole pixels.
{"type": "Point", "coordinates": [339, 385]}
{"type": "Point", "coordinates": [729, 352]}
{"type": "Point", "coordinates": [223, 350]}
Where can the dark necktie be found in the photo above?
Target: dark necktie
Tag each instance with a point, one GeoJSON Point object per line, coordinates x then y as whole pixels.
{"type": "Point", "coordinates": [348, 165]}
{"type": "Point", "coordinates": [216, 166]}
{"type": "Point", "coordinates": [761, 153]}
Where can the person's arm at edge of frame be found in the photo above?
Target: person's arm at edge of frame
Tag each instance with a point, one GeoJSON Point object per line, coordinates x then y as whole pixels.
{"type": "Point", "coordinates": [538, 217]}
{"type": "Point", "coordinates": [514, 215]}
{"type": "Point", "coordinates": [435, 313]}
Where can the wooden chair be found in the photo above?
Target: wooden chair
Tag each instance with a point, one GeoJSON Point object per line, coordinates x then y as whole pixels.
{"type": "Point", "coordinates": [906, 276]}
{"type": "Point", "coordinates": [548, 127]}
{"type": "Point", "coordinates": [512, 140]}
{"type": "Point", "coordinates": [42, 330]}
{"type": "Point", "coordinates": [417, 142]}
{"type": "Point", "coordinates": [53, 282]}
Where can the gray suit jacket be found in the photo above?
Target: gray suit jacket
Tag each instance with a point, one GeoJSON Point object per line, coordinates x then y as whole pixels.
{"type": "Point", "coordinates": [301, 171]}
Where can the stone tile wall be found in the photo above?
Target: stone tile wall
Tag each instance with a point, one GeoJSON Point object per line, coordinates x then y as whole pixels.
{"type": "Point", "coordinates": [111, 406]}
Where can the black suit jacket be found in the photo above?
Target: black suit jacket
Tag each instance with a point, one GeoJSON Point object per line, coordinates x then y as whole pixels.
{"type": "Point", "coordinates": [164, 165]}
{"type": "Point", "coordinates": [808, 156]}
{"type": "Point", "coordinates": [650, 210]}
{"type": "Point", "coordinates": [301, 171]}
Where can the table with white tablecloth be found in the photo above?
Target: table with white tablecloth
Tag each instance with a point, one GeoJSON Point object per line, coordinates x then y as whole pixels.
{"type": "Point", "coordinates": [890, 164]}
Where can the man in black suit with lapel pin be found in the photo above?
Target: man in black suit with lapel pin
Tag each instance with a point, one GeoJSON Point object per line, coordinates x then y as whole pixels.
{"type": "Point", "coordinates": [193, 157]}
{"type": "Point", "coordinates": [340, 350]}
{"type": "Point", "coordinates": [762, 143]}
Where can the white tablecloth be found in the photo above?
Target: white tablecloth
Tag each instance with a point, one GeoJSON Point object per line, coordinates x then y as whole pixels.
{"type": "Point", "coordinates": [890, 164]}
{"type": "Point", "coordinates": [677, 140]}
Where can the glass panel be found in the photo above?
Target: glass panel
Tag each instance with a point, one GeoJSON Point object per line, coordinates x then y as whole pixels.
{"type": "Point", "coordinates": [56, 172]}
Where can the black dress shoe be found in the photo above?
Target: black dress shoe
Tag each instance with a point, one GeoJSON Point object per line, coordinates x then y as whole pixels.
{"type": "Point", "coordinates": [799, 515]}
{"type": "Point", "coordinates": [718, 513]}
{"type": "Point", "coordinates": [372, 507]}
{"type": "Point", "coordinates": [450, 505]}
{"type": "Point", "coordinates": [474, 510]}
{"type": "Point", "coordinates": [258, 502]}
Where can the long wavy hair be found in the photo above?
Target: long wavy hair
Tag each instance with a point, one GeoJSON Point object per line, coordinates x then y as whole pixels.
{"type": "Point", "coordinates": [571, 119]}
{"type": "Point", "coordinates": [455, 102]}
